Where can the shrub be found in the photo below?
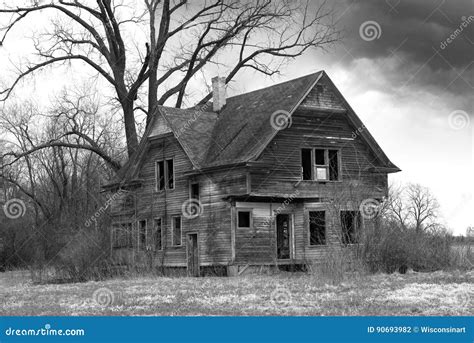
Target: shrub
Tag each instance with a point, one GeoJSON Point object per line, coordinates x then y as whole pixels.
{"type": "Point", "coordinates": [85, 257]}
{"type": "Point", "coordinates": [388, 247]}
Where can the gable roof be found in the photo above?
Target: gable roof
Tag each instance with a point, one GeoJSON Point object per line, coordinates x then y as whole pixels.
{"type": "Point", "coordinates": [241, 130]}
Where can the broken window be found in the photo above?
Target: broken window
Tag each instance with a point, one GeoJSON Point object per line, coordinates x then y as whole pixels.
{"type": "Point", "coordinates": [122, 235]}
{"type": "Point", "coordinates": [195, 191]}
{"type": "Point", "coordinates": [350, 224]}
{"type": "Point", "coordinates": [160, 175]}
{"type": "Point", "coordinates": [142, 234]}
{"type": "Point", "coordinates": [158, 234]}
{"type": "Point", "coordinates": [243, 219]}
{"type": "Point", "coordinates": [320, 164]}
{"type": "Point", "coordinates": [170, 173]}
{"type": "Point", "coordinates": [306, 164]}
{"type": "Point", "coordinates": [164, 176]}
{"type": "Point", "coordinates": [176, 226]}
{"type": "Point", "coordinates": [317, 227]}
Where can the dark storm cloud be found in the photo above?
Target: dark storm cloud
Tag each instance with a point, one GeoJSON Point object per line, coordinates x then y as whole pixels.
{"type": "Point", "coordinates": [416, 34]}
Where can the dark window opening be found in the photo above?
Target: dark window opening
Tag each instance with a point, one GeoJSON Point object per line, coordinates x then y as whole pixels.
{"type": "Point", "coordinates": [306, 164]}
{"type": "Point", "coordinates": [319, 157]}
{"type": "Point", "coordinates": [317, 227]}
{"type": "Point", "coordinates": [122, 236]}
{"type": "Point", "coordinates": [176, 231]}
{"type": "Point", "coordinates": [350, 224]}
{"type": "Point", "coordinates": [320, 164]}
{"type": "Point", "coordinates": [195, 191]}
{"type": "Point", "coordinates": [333, 165]}
{"type": "Point", "coordinates": [142, 234]}
{"type": "Point", "coordinates": [160, 175]}
{"type": "Point", "coordinates": [243, 219]}
{"type": "Point", "coordinates": [170, 173]}
{"type": "Point", "coordinates": [158, 234]}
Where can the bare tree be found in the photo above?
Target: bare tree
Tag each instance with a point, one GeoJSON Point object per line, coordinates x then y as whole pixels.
{"type": "Point", "coordinates": [413, 206]}
{"type": "Point", "coordinates": [184, 37]}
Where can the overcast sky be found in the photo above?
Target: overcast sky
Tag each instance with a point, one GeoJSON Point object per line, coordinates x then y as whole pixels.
{"type": "Point", "coordinates": [412, 88]}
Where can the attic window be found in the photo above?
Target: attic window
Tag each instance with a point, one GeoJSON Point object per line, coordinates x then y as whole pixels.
{"type": "Point", "coordinates": [244, 219]}
{"type": "Point", "coordinates": [164, 174]}
{"type": "Point", "coordinates": [320, 164]}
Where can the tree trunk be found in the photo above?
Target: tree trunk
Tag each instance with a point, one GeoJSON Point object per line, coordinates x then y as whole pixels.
{"type": "Point", "coordinates": [152, 95]}
{"type": "Point", "coordinates": [130, 129]}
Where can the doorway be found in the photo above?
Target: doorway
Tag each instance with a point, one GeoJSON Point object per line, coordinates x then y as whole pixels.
{"type": "Point", "coordinates": [283, 228]}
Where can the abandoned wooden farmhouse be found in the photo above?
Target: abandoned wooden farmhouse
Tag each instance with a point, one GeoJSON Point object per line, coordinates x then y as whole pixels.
{"type": "Point", "coordinates": [271, 177]}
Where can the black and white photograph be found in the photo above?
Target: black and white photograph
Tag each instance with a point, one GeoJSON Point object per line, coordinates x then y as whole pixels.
{"type": "Point", "coordinates": [236, 158]}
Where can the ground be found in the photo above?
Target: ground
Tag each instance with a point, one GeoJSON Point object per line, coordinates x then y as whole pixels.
{"type": "Point", "coordinates": [439, 293]}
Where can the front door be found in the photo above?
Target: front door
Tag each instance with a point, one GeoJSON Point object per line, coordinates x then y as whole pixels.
{"type": "Point", "coordinates": [283, 236]}
{"type": "Point", "coordinates": [192, 254]}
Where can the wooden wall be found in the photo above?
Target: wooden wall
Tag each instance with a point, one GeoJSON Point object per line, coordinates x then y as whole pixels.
{"type": "Point", "coordinates": [313, 128]}
{"type": "Point", "coordinates": [213, 226]}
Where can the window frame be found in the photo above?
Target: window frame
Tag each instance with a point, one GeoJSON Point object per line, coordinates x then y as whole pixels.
{"type": "Point", "coordinates": [166, 176]}
{"type": "Point", "coordinates": [325, 227]}
{"type": "Point", "coordinates": [325, 166]}
{"type": "Point", "coordinates": [249, 210]}
{"type": "Point", "coordinates": [127, 229]}
{"type": "Point", "coordinates": [139, 228]}
{"type": "Point", "coordinates": [173, 228]}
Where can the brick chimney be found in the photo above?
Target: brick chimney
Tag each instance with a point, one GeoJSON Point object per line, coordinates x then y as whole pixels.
{"type": "Point", "coordinates": [218, 93]}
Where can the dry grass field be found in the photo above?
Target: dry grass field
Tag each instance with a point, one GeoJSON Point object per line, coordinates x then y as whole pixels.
{"type": "Point", "coordinates": [439, 293]}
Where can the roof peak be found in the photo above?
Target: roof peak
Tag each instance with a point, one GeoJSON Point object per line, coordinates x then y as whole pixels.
{"type": "Point", "coordinates": [279, 84]}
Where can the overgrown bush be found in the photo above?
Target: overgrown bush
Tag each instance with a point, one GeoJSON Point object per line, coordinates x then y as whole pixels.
{"type": "Point", "coordinates": [387, 247]}
{"type": "Point", "coordinates": [85, 257]}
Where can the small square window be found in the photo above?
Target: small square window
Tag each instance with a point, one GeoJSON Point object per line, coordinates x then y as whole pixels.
{"type": "Point", "coordinates": [243, 219]}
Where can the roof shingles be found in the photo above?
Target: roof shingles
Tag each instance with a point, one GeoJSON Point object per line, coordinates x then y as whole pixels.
{"type": "Point", "coordinates": [239, 132]}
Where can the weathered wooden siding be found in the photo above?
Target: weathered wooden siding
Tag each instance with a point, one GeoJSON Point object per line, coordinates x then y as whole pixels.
{"type": "Point", "coordinates": [313, 128]}
{"type": "Point", "coordinates": [257, 245]}
{"type": "Point", "coordinates": [213, 226]}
